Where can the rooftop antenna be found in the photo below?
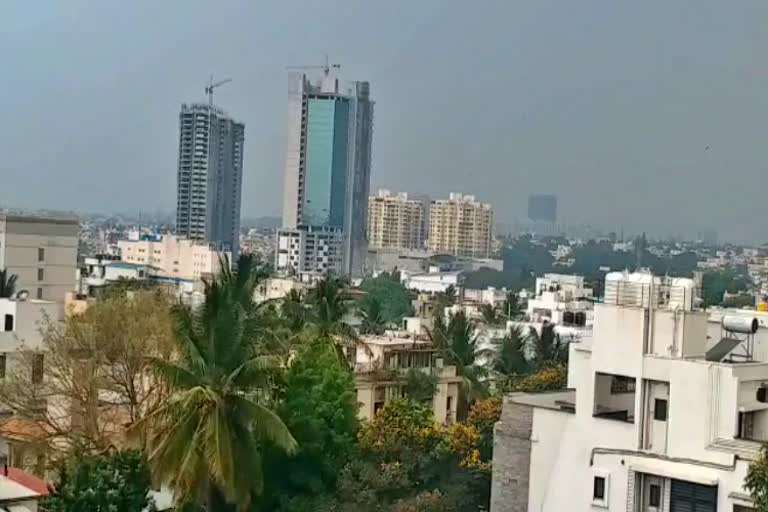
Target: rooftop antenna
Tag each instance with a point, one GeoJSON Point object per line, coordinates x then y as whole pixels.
{"type": "Point", "coordinates": [326, 67]}
{"type": "Point", "coordinates": [211, 86]}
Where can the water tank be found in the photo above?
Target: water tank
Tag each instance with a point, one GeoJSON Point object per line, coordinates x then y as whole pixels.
{"type": "Point", "coordinates": [740, 324]}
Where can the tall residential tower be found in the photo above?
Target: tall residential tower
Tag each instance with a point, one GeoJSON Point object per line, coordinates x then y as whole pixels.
{"type": "Point", "coordinates": [396, 221]}
{"type": "Point", "coordinates": [461, 226]}
{"type": "Point", "coordinates": [327, 171]}
{"type": "Point", "coordinates": [210, 176]}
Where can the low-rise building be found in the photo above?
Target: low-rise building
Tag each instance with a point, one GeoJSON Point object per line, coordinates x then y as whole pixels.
{"type": "Point", "coordinates": [274, 288]}
{"type": "Point", "coordinates": [380, 371]}
{"type": "Point", "coordinates": [174, 257]}
{"type": "Point", "coordinates": [656, 416]}
{"type": "Point", "coordinates": [431, 282]}
{"type": "Point", "coordinates": [561, 299]}
{"type": "Point", "coordinates": [309, 252]}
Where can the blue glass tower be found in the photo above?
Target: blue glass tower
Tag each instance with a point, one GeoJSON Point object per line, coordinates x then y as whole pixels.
{"type": "Point", "coordinates": [328, 163]}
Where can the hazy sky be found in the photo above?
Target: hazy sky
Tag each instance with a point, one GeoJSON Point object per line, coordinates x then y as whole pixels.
{"type": "Point", "coordinates": [611, 105]}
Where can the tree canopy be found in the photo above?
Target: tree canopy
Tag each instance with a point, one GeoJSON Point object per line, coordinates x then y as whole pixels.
{"type": "Point", "coordinates": [393, 299]}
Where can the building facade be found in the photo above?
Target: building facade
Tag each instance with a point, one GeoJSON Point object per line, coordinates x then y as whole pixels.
{"type": "Point", "coordinates": [656, 417]}
{"type": "Point", "coordinates": [174, 257]}
{"type": "Point", "coordinates": [309, 252]}
{"type": "Point", "coordinates": [328, 162]}
{"type": "Point", "coordinates": [210, 175]}
{"type": "Point", "coordinates": [461, 226]}
{"type": "Point", "coordinates": [396, 222]}
{"type": "Point", "coordinates": [380, 373]}
{"type": "Point", "coordinates": [42, 252]}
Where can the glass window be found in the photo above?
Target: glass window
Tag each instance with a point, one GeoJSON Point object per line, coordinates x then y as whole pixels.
{"type": "Point", "coordinates": [40, 274]}
{"type": "Point", "coordinates": [654, 495]}
{"type": "Point", "coordinates": [660, 410]}
{"type": "Point", "coordinates": [40, 254]}
{"type": "Point", "coordinates": [598, 488]}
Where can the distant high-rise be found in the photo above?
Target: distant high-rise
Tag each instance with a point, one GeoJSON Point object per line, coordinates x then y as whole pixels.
{"type": "Point", "coordinates": [210, 176]}
{"type": "Point", "coordinates": [396, 221]}
{"type": "Point", "coordinates": [542, 208]}
{"type": "Point", "coordinates": [461, 226]}
{"type": "Point", "coordinates": [328, 162]}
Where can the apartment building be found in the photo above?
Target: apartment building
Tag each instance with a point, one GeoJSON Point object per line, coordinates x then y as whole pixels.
{"type": "Point", "coordinates": [396, 222]}
{"type": "Point", "coordinates": [42, 252]}
{"type": "Point", "coordinates": [309, 252]}
{"type": "Point", "coordinates": [461, 226]}
{"type": "Point", "coordinates": [379, 374]}
{"type": "Point", "coordinates": [656, 416]}
{"type": "Point", "coordinates": [174, 257]}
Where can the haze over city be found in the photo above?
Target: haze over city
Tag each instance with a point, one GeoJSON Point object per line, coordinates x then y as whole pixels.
{"type": "Point", "coordinates": [646, 115]}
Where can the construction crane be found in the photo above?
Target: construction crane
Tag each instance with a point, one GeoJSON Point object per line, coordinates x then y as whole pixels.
{"type": "Point", "coordinates": [211, 86]}
{"type": "Point", "coordinates": [325, 67]}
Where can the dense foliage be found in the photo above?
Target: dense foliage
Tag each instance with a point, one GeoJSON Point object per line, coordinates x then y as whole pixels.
{"type": "Point", "coordinates": [319, 407]}
{"type": "Point", "coordinates": [114, 482]}
{"type": "Point", "coordinates": [392, 297]}
{"type": "Point", "coordinates": [716, 283]}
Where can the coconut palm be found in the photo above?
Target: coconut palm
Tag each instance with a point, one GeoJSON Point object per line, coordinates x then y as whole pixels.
{"type": "Point", "coordinates": [328, 305]}
{"type": "Point", "coordinates": [7, 284]}
{"type": "Point", "coordinates": [371, 311]}
{"type": "Point", "coordinates": [510, 359]}
{"type": "Point", "coordinates": [548, 348]}
{"type": "Point", "coordinates": [205, 439]}
{"type": "Point", "coordinates": [490, 314]}
{"type": "Point", "coordinates": [458, 343]}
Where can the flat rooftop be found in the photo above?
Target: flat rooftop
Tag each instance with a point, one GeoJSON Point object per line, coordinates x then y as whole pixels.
{"type": "Point", "coordinates": [563, 400]}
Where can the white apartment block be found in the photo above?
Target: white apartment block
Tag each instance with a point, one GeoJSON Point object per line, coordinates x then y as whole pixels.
{"type": "Point", "coordinates": [396, 222]}
{"type": "Point", "coordinates": [174, 257]}
{"type": "Point", "coordinates": [42, 252]}
{"type": "Point", "coordinates": [561, 299]}
{"type": "Point", "coordinates": [657, 416]}
{"type": "Point", "coordinates": [309, 252]}
{"type": "Point", "coordinates": [461, 226]}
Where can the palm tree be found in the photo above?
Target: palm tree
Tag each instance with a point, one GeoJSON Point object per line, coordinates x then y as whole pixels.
{"type": "Point", "coordinates": [373, 319]}
{"type": "Point", "coordinates": [328, 304]}
{"type": "Point", "coordinates": [548, 349]}
{"type": "Point", "coordinates": [457, 342]}
{"type": "Point", "coordinates": [510, 359]}
{"type": "Point", "coordinates": [7, 284]}
{"type": "Point", "coordinates": [293, 310]}
{"type": "Point", "coordinates": [204, 440]}
{"type": "Point", "coordinates": [512, 308]}
{"type": "Point", "coordinates": [490, 314]}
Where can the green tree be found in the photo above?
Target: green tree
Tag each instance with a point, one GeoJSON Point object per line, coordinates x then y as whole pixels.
{"type": "Point", "coordinates": [293, 310]}
{"type": "Point", "coordinates": [512, 307]}
{"type": "Point", "coordinates": [548, 348]}
{"type": "Point", "coordinates": [457, 341]}
{"type": "Point", "coordinates": [757, 480]}
{"type": "Point", "coordinates": [490, 314]}
{"type": "Point", "coordinates": [420, 386]}
{"type": "Point", "coordinates": [371, 311]}
{"type": "Point", "coordinates": [205, 439]}
{"type": "Point", "coordinates": [7, 284]}
{"type": "Point", "coordinates": [509, 359]}
{"type": "Point", "coordinates": [114, 482]}
{"type": "Point", "coordinates": [319, 407]}
{"type": "Point", "coordinates": [716, 283]}
{"type": "Point", "coordinates": [394, 298]}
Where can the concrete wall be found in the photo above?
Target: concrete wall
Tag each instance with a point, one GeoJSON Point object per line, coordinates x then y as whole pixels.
{"type": "Point", "coordinates": [512, 458]}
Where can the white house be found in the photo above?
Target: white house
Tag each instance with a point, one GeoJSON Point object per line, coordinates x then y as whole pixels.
{"type": "Point", "coordinates": [656, 417]}
{"type": "Point", "coordinates": [561, 299]}
{"type": "Point", "coordinates": [431, 282]}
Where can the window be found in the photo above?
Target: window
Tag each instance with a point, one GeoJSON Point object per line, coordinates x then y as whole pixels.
{"type": "Point", "coordinates": [39, 293]}
{"type": "Point", "coordinates": [8, 323]}
{"type": "Point", "coordinates": [37, 369]}
{"type": "Point", "coordinates": [600, 488]}
{"type": "Point", "coordinates": [660, 410]}
{"type": "Point", "coordinates": [3, 362]}
{"type": "Point", "coordinates": [40, 274]}
{"type": "Point", "coordinates": [40, 254]}
{"type": "Point", "coordinates": [654, 495]}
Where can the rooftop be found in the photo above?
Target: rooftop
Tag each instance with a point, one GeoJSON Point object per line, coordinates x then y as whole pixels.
{"type": "Point", "coordinates": [563, 400]}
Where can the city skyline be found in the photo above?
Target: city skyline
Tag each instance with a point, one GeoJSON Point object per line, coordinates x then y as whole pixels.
{"type": "Point", "coordinates": [655, 144]}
